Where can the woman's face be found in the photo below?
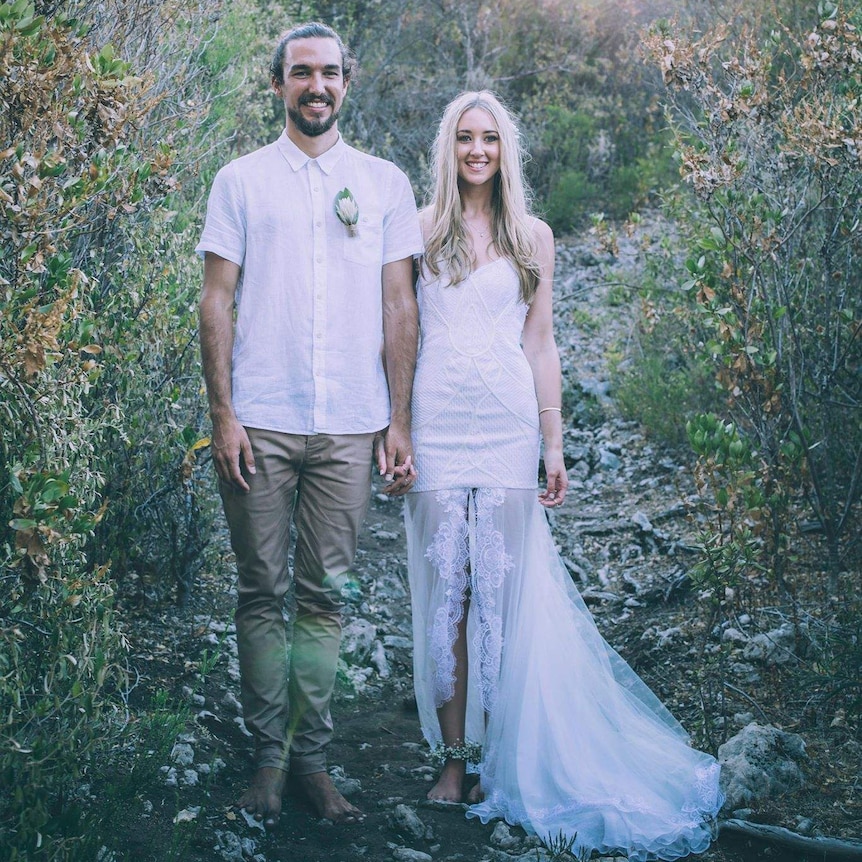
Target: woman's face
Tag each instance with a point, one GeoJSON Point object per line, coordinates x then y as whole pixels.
{"type": "Point", "coordinates": [478, 147]}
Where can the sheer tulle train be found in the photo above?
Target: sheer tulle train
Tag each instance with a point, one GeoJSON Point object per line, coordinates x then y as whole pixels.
{"type": "Point", "coordinates": [573, 742]}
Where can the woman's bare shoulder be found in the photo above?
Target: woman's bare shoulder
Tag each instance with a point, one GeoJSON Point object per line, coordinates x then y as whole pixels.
{"type": "Point", "coordinates": [426, 221]}
{"type": "Point", "coordinates": [542, 231]}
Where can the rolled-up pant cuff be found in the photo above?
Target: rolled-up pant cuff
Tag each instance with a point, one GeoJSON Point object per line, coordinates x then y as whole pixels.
{"type": "Point", "coordinates": [308, 764]}
{"type": "Point", "coordinates": [274, 757]}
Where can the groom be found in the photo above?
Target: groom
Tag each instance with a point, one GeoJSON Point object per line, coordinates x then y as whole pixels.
{"type": "Point", "coordinates": [308, 328]}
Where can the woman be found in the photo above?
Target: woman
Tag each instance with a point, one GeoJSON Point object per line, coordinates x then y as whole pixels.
{"type": "Point", "coordinates": [512, 677]}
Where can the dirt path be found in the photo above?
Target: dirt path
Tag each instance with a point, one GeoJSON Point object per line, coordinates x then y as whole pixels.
{"type": "Point", "coordinates": [378, 746]}
{"type": "Point", "coordinates": [623, 534]}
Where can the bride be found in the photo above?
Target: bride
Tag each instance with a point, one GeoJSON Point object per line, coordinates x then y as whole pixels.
{"type": "Point", "coordinates": [512, 678]}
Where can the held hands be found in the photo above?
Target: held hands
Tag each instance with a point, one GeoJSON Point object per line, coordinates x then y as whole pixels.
{"type": "Point", "coordinates": [558, 480]}
{"type": "Point", "coordinates": [232, 452]}
{"type": "Point", "coordinates": [393, 451]}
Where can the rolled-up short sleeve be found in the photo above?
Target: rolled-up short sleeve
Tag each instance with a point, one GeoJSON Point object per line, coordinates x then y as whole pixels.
{"type": "Point", "coordinates": [402, 235]}
{"type": "Point", "coordinates": [225, 226]}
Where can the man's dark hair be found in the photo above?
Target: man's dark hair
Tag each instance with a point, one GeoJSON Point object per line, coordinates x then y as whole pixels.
{"type": "Point", "coordinates": [311, 30]}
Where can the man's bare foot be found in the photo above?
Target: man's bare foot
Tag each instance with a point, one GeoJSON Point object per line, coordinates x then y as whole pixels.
{"type": "Point", "coordinates": [476, 794]}
{"type": "Point", "coordinates": [450, 784]}
{"type": "Point", "coordinates": [325, 798]}
{"type": "Point", "coordinates": [263, 798]}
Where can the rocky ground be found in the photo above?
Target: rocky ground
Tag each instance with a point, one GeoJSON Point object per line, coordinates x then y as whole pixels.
{"type": "Point", "coordinates": [626, 533]}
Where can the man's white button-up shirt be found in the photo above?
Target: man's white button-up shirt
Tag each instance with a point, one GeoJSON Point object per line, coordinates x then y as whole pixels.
{"type": "Point", "coordinates": [308, 342]}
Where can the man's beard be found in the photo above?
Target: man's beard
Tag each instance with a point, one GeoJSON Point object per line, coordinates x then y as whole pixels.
{"type": "Point", "coordinates": [311, 128]}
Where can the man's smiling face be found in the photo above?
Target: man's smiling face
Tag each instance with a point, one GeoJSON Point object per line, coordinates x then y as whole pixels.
{"type": "Point", "coordinates": [314, 86]}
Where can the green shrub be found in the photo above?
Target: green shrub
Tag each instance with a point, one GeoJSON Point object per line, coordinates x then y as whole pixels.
{"type": "Point", "coordinates": [661, 382]}
{"type": "Point", "coordinates": [775, 262]}
{"type": "Point", "coordinates": [62, 664]}
{"type": "Point", "coordinates": [99, 393]}
{"type": "Point", "coordinates": [570, 201]}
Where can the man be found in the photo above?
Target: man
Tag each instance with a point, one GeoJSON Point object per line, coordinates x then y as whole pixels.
{"type": "Point", "coordinates": [323, 341]}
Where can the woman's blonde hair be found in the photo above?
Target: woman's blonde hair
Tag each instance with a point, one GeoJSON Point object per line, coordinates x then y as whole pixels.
{"type": "Point", "coordinates": [511, 214]}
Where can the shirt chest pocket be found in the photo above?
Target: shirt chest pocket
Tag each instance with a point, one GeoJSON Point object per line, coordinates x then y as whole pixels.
{"type": "Point", "coordinates": [366, 247]}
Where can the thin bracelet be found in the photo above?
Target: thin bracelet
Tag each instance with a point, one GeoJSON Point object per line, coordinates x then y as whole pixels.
{"type": "Point", "coordinates": [546, 409]}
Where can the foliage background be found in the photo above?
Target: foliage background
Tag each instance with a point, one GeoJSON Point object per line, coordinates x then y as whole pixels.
{"type": "Point", "coordinates": [743, 125]}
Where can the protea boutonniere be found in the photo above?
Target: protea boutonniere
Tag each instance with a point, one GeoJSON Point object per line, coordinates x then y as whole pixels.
{"type": "Point", "coordinates": [347, 211]}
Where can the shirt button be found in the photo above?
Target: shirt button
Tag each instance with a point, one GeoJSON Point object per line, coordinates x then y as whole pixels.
{"type": "Point", "coordinates": [318, 224]}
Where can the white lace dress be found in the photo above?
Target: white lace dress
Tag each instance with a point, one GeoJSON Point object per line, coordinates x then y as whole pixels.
{"type": "Point", "coordinates": [572, 741]}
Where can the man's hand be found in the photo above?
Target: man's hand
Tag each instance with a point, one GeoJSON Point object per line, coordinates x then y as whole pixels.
{"type": "Point", "coordinates": [231, 452]}
{"type": "Point", "coordinates": [393, 451]}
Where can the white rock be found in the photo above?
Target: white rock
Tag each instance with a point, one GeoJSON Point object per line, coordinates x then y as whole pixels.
{"type": "Point", "coordinates": [379, 660]}
{"type": "Point", "coordinates": [668, 635]}
{"type": "Point", "coordinates": [408, 822]}
{"type": "Point", "coordinates": [357, 638]}
{"type": "Point", "coordinates": [228, 846]}
{"type": "Point", "coordinates": [230, 700]}
{"type": "Point", "coordinates": [347, 787]}
{"type": "Point", "coordinates": [183, 754]}
{"type": "Point", "coordinates": [250, 820]}
{"type": "Point", "coordinates": [773, 648]}
{"type": "Point", "coordinates": [642, 521]}
{"type": "Point", "coordinates": [760, 762]}
{"type": "Point", "coordinates": [405, 854]}
{"type": "Point", "coordinates": [502, 837]}
{"type": "Point", "coordinates": [241, 725]}
{"type": "Point", "coordinates": [187, 814]}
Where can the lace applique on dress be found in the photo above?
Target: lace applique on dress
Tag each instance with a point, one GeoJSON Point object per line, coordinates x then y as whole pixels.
{"type": "Point", "coordinates": [449, 553]}
{"type": "Point", "coordinates": [707, 787]}
{"type": "Point", "coordinates": [468, 551]}
{"type": "Point", "coordinates": [491, 564]}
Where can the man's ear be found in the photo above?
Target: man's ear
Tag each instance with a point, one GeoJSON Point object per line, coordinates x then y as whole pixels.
{"type": "Point", "coordinates": [276, 87]}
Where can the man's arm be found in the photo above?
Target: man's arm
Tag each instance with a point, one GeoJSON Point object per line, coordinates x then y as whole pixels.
{"type": "Point", "coordinates": [400, 339]}
{"type": "Point", "coordinates": [230, 444]}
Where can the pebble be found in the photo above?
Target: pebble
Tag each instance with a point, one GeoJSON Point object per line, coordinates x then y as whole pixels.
{"type": "Point", "coordinates": [230, 700]}
{"type": "Point", "coordinates": [379, 660]}
{"type": "Point", "coordinates": [250, 821]}
{"type": "Point", "coordinates": [347, 787]}
{"type": "Point", "coordinates": [405, 854]}
{"type": "Point", "coordinates": [241, 725]}
{"type": "Point", "coordinates": [502, 837]}
{"type": "Point", "coordinates": [406, 821]}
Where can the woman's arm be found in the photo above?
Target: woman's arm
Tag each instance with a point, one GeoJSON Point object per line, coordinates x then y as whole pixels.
{"type": "Point", "coordinates": [540, 348]}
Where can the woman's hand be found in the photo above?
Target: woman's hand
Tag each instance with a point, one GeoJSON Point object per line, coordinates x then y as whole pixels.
{"type": "Point", "coordinates": [558, 481]}
{"type": "Point", "coordinates": [387, 454]}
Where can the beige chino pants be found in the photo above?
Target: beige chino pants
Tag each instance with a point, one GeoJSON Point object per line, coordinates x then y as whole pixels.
{"type": "Point", "coordinates": [322, 483]}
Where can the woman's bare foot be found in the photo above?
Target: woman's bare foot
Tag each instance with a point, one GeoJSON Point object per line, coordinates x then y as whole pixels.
{"type": "Point", "coordinates": [450, 784]}
{"type": "Point", "coordinates": [326, 800]}
{"type": "Point", "coordinates": [263, 798]}
{"type": "Point", "coordinates": [476, 794]}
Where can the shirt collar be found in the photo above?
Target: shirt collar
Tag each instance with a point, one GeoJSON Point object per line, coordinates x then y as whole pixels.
{"type": "Point", "coordinates": [297, 159]}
